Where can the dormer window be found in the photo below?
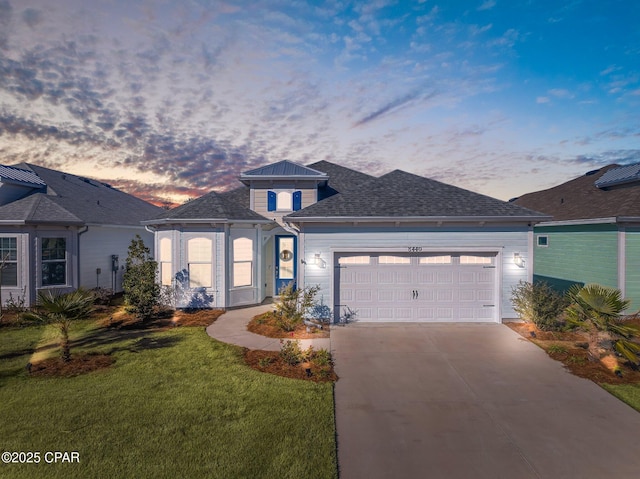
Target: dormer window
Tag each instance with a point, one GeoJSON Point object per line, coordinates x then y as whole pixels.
{"type": "Point", "coordinates": [284, 200]}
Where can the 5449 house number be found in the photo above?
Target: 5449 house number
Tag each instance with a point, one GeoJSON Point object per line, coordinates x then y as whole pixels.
{"type": "Point", "coordinates": [414, 249]}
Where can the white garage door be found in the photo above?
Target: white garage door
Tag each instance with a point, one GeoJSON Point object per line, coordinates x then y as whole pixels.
{"type": "Point", "coordinates": [430, 287]}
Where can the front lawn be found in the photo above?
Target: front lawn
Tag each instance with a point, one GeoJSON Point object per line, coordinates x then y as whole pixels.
{"type": "Point", "coordinates": [175, 403]}
{"type": "Point", "coordinates": [629, 393]}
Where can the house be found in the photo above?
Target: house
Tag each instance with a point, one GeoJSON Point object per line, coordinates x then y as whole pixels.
{"type": "Point", "coordinates": [594, 236]}
{"type": "Point", "coordinates": [60, 231]}
{"type": "Point", "coordinates": [399, 247]}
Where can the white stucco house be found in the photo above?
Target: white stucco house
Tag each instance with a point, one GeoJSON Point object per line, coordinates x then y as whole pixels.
{"type": "Point", "coordinates": [61, 231]}
{"type": "Point", "coordinates": [399, 247]}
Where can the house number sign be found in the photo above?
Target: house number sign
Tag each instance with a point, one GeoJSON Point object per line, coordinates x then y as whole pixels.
{"type": "Point", "coordinates": [414, 249]}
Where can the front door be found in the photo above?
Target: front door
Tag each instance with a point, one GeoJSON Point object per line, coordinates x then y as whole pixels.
{"type": "Point", "coordinates": [286, 261]}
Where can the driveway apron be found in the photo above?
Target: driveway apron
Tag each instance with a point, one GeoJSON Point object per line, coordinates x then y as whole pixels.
{"type": "Point", "coordinates": [471, 401]}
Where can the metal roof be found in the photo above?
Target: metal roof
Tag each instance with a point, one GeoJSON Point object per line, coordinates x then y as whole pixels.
{"type": "Point", "coordinates": [283, 169]}
{"type": "Point", "coordinates": [18, 175]}
{"type": "Point", "coordinates": [619, 176]}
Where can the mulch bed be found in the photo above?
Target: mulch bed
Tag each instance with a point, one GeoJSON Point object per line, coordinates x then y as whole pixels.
{"type": "Point", "coordinates": [79, 364]}
{"type": "Point", "coordinates": [266, 325]}
{"type": "Point", "coordinates": [564, 347]}
{"type": "Point", "coordinates": [271, 362]}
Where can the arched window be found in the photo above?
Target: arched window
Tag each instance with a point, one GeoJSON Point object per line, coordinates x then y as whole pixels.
{"type": "Point", "coordinates": [285, 201]}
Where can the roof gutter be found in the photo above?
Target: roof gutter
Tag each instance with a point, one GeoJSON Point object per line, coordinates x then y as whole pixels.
{"type": "Point", "coordinates": [584, 221]}
{"type": "Point", "coordinates": [416, 219]}
{"type": "Point", "coordinates": [170, 221]}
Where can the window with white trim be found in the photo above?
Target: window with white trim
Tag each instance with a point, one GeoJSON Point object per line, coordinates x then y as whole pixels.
{"type": "Point", "coordinates": [542, 241]}
{"type": "Point", "coordinates": [54, 261]}
{"type": "Point", "coordinates": [166, 260]}
{"type": "Point", "coordinates": [9, 261]}
{"type": "Point", "coordinates": [242, 262]}
{"type": "Point", "coordinates": [199, 258]}
{"type": "Point", "coordinates": [284, 201]}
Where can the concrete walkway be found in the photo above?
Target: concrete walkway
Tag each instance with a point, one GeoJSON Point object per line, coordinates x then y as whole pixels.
{"type": "Point", "coordinates": [471, 401]}
{"type": "Point", "coordinates": [231, 328]}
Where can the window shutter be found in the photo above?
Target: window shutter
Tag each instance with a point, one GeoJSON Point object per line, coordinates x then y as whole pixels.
{"type": "Point", "coordinates": [297, 200]}
{"type": "Point", "coordinates": [271, 200]}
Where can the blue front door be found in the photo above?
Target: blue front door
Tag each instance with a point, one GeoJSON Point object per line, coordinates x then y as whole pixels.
{"type": "Point", "coordinates": [286, 261]}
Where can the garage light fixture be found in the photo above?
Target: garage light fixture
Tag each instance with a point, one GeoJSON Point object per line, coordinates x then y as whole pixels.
{"type": "Point", "coordinates": [518, 260]}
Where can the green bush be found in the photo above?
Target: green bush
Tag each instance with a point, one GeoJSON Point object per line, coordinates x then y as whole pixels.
{"type": "Point", "coordinates": [539, 304]}
{"type": "Point", "coordinates": [294, 304]}
{"type": "Point", "coordinates": [291, 352]}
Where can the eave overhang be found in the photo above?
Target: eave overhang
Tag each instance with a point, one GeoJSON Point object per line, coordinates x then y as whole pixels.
{"type": "Point", "coordinates": [418, 219]}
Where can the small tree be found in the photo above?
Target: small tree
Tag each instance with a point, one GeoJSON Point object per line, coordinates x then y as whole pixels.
{"type": "Point", "coordinates": [61, 310]}
{"type": "Point", "coordinates": [141, 291]}
{"type": "Point", "coordinates": [294, 304]}
{"type": "Point", "coordinates": [597, 310]}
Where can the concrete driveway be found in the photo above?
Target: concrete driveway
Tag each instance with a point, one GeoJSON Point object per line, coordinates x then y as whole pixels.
{"type": "Point", "coordinates": [471, 401]}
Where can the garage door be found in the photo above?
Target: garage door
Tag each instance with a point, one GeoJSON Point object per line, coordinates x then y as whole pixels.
{"type": "Point", "coordinates": [429, 287]}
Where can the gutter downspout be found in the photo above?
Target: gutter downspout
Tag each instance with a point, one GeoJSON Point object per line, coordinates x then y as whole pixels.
{"type": "Point", "coordinates": [86, 228]}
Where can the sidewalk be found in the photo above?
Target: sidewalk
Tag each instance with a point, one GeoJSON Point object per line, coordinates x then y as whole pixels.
{"type": "Point", "coordinates": [231, 328]}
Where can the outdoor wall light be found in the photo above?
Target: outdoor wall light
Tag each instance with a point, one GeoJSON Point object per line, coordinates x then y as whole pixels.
{"type": "Point", "coordinates": [518, 260]}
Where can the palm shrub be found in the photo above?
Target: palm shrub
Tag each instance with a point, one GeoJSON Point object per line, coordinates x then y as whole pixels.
{"type": "Point", "coordinates": [539, 304]}
{"type": "Point", "coordinates": [597, 310]}
{"type": "Point", "coordinates": [62, 310]}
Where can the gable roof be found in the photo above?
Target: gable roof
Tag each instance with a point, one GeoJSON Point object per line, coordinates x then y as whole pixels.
{"type": "Point", "coordinates": [404, 196]}
{"type": "Point", "coordinates": [282, 169]}
{"type": "Point", "coordinates": [71, 199]}
{"type": "Point", "coordinates": [212, 207]}
{"type": "Point", "coordinates": [580, 198]}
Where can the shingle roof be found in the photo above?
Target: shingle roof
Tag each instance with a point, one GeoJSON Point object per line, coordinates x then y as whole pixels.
{"type": "Point", "coordinates": [212, 206]}
{"type": "Point", "coordinates": [341, 178]}
{"type": "Point", "coordinates": [400, 194]}
{"type": "Point", "coordinates": [70, 199]}
{"type": "Point", "coordinates": [282, 168]}
{"type": "Point", "coordinates": [581, 199]}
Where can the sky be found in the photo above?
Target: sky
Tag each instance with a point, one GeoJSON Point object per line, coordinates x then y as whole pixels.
{"type": "Point", "coordinates": [171, 99]}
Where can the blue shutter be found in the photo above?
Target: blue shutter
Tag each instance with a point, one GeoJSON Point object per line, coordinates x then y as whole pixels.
{"type": "Point", "coordinates": [297, 200]}
{"type": "Point", "coordinates": [271, 200]}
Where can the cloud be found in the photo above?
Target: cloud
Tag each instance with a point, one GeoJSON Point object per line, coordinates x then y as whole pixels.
{"type": "Point", "coordinates": [487, 5]}
{"type": "Point", "coordinates": [395, 105]}
{"type": "Point", "coordinates": [542, 100]}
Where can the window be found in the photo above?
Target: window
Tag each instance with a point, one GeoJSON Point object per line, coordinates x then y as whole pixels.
{"type": "Point", "coordinates": [242, 262]}
{"type": "Point", "coordinates": [394, 260]}
{"type": "Point", "coordinates": [476, 259]}
{"type": "Point", "coordinates": [199, 262]}
{"type": "Point", "coordinates": [9, 261]}
{"type": "Point", "coordinates": [354, 260]}
{"type": "Point", "coordinates": [543, 241]}
{"type": "Point", "coordinates": [442, 259]}
{"type": "Point", "coordinates": [284, 200]}
{"type": "Point", "coordinates": [166, 274]}
{"type": "Point", "coordinates": [54, 261]}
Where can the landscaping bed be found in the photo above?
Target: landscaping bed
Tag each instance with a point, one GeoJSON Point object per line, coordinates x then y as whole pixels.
{"type": "Point", "coordinates": [267, 324]}
{"type": "Point", "coordinates": [566, 348]}
{"type": "Point", "coordinates": [273, 363]}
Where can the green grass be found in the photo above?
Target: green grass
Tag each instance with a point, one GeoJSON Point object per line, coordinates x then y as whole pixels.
{"type": "Point", "coordinates": [175, 404]}
{"type": "Point", "coordinates": [629, 393]}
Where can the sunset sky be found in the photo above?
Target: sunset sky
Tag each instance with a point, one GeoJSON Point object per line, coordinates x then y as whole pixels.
{"type": "Point", "coordinates": [171, 99]}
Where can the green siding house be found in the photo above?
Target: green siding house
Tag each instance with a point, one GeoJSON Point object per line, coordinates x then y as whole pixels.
{"type": "Point", "coordinates": [594, 236]}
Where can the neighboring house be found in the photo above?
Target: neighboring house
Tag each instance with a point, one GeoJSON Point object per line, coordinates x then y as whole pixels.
{"type": "Point", "coordinates": [395, 248]}
{"type": "Point", "coordinates": [60, 231]}
{"type": "Point", "coordinates": [595, 233]}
